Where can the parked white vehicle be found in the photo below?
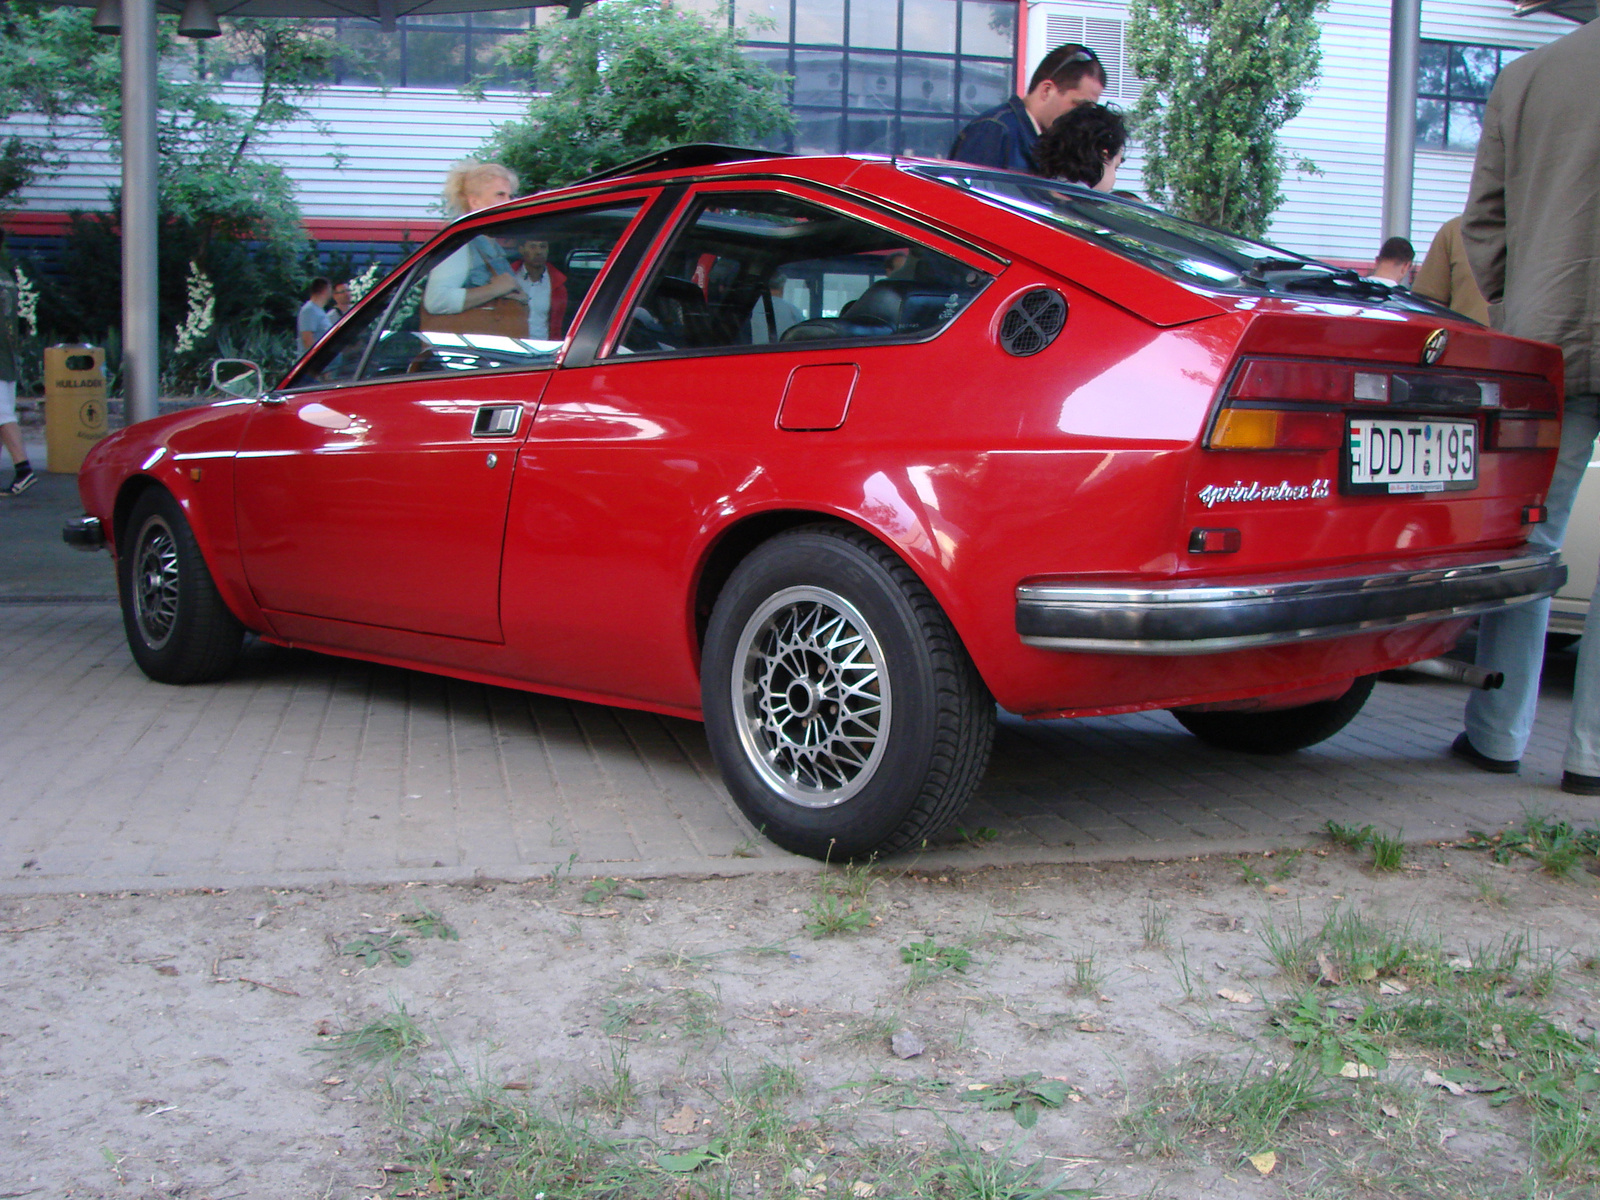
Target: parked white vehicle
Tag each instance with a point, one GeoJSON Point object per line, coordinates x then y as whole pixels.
{"type": "Point", "coordinates": [1570, 606]}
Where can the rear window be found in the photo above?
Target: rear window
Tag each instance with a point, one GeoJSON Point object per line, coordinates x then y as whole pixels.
{"type": "Point", "coordinates": [1183, 250]}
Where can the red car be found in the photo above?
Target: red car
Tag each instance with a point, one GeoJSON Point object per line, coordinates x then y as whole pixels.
{"type": "Point", "coordinates": [836, 454]}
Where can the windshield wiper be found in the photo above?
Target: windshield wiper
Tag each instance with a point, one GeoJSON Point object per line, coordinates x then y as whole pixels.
{"type": "Point", "coordinates": [1338, 280]}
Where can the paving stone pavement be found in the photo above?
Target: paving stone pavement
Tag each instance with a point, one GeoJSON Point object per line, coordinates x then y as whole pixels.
{"type": "Point", "coordinates": [302, 768]}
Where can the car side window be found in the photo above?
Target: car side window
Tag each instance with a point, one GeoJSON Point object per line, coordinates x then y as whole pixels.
{"type": "Point", "coordinates": [501, 297]}
{"type": "Point", "coordinates": [754, 269]}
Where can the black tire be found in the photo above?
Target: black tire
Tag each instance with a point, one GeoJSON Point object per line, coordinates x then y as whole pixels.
{"type": "Point", "coordinates": [1280, 730]}
{"type": "Point", "coordinates": [885, 749]}
{"type": "Point", "coordinates": [178, 628]}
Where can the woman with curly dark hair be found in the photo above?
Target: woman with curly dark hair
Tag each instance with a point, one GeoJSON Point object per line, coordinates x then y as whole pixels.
{"type": "Point", "coordinates": [1084, 146]}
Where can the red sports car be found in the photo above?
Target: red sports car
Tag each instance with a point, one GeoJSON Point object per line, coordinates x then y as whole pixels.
{"type": "Point", "coordinates": [838, 453]}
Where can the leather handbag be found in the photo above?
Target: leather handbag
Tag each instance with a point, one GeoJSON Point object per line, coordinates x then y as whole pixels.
{"type": "Point", "coordinates": [504, 316]}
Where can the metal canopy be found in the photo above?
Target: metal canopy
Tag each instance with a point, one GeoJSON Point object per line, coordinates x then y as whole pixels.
{"type": "Point", "coordinates": [141, 366]}
{"type": "Point", "coordinates": [1581, 11]}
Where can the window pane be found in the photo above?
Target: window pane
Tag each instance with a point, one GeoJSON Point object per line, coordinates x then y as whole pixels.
{"type": "Point", "coordinates": [337, 359]}
{"type": "Point", "coordinates": [435, 59]}
{"type": "Point", "coordinates": [988, 27]}
{"type": "Point", "coordinates": [487, 63]}
{"type": "Point", "coordinates": [775, 59]}
{"type": "Point", "coordinates": [1433, 64]}
{"type": "Point", "coordinates": [762, 268]}
{"type": "Point", "coordinates": [927, 137]}
{"type": "Point", "coordinates": [930, 26]}
{"type": "Point", "coordinates": [818, 77]}
{"type": "Point", "coordinates": [1472, 70]}
{"type": "Point", "coordinates": [763, 20]}
{"type": "Point", "coordinates": [1466, 125]}
{"type": "Point", "coordinates": [869, 134]}
{"type": "Point", "coordinates": [435, 20]}
{"type": "Point", "coordinates": [818, 133]}
{"type": "Point", "coordinates": [553, 259]}
{"type": "Point", "coordinates": [374, 56]}
{"type": "Point", "coordinates": [872, 81]}
{"type": "Point", "coordinates": [820, 21]}
{"type": "Point", "coordinates": [1430, 123]}
{"type": "Point", "coordinates": [984, 85]}
{"type": "Point", "coordinates": [873, 24]}
{"type": "Point", "coordinates": [927, 85]}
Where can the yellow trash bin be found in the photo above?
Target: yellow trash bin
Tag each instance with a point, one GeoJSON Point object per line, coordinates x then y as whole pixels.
{"type": "Point", "coordinates": [74, 404]}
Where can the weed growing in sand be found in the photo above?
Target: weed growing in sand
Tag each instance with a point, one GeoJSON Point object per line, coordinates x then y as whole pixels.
{"type": "Point", "coordinates": [1555, 845]}
{"type": "Point", "coordinates": [1250, 1103]}
{"type": "Point", "coordinates": [1154, 923]}
{"type": "Point", "coordinates": [1023, 1096]}
{"type": "Point", "coordinates": [1348, 836]}
{"type": "Point", "coordinates": [929, 960]}
{"type": "Point", "coordinates": [1491, 895]}
{"type": "Point", "coordinates": [1328, 1035]}
{"type": "Point", "coordinates": [1191, 979]}
{"type": "Point", "coordinates": [969, 1172]}
{"type": "Point", "coordinates": [384, 1039]}
{"type": "Point", "coordinates": [1388, 852]}
{"type": "Point", "coordinates": [1088, 978]}
{"type": "Point", "coordinates": [615, 1095]}
{"type": "Point", "coordinates": [425, 923]}
{"type": "Point", "coordinates": [840, 905]}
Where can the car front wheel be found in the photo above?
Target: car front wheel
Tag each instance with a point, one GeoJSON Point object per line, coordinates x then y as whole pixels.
{"type": "Point", "coordinates": [841, 707]}
{"type": "Point", "coordinates": [1280, 730]}
{"type": "Point", "coordinates": [178, 627]}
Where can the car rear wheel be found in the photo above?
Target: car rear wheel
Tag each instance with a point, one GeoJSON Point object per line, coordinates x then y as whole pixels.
{"type": "Point", "coordinates": [1281, 730]}
{"type": "Point", "coordinates": [841, 707]}
{"type": "Point", "coordinates": [178, 628]}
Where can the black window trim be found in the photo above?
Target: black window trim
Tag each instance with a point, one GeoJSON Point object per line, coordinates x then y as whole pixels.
{"type": "Point", "coordinates": [695, 205]}
{"type": "Point", "coordinates": [650, 206]}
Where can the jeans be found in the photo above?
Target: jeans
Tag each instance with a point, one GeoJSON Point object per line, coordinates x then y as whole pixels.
{"type": "Point", "coordinates": [1512, 640]}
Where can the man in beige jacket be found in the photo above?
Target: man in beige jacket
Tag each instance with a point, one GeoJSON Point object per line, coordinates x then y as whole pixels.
{"type": "Point", "coordinates": [1446, 276]}
{"type": "Point", "coordinates": [1532, 234]}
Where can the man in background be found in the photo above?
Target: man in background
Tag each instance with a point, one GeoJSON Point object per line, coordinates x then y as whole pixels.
{"type": "Point", "coordinates": [23, 476]}
{"type": "Point", "coordinates": [1005, 136]}
{"type": "Point", "coordinates": [1395, 257]}
{"type": "Point", "coordinates": [1446, 275]}
{"type": "Point", "coordinates": [1532, 234]}
{"type": "Point", "coordinates": [314, 320]}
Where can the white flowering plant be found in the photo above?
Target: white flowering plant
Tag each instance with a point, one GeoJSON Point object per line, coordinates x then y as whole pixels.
{"type": "Point", "coordinates": [27, 302]}
{"type": "Point", "coordinates": [366, 281]}
{"type": "Point", "coordinates": [202, 312]}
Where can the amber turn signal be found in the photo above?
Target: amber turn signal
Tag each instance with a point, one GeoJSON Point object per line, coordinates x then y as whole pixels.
{"type": "Point", "coordinates": [1276, 429]}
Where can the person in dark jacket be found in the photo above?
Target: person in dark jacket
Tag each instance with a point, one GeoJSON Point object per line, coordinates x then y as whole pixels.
{"type": "Point", "coordinates": [1005, 136]}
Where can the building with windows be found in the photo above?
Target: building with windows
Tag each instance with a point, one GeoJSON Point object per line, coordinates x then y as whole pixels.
{"type": "Point", "coordinates": [881, 76]}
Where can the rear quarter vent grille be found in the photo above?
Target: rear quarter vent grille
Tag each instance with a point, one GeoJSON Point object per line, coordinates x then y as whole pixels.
{"type": "Point", "coordinates": [1032, 322]}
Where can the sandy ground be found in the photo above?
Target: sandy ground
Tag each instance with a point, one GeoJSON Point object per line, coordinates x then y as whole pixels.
{"type": "Point", "coordinates": [178, 1044]}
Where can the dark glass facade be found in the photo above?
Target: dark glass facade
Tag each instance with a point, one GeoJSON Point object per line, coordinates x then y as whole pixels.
{"type": "Point", "coordinates": [884, 76]}
{"type": "Point", "coordinates": [1453, 82]}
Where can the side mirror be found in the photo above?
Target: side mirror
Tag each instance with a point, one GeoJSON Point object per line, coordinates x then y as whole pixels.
{"type": "Point", "coordinates": [238, 377]}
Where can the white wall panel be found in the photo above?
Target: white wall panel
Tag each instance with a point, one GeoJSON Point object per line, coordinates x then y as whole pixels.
{"type": "Point", "coordinates": [397, 145]}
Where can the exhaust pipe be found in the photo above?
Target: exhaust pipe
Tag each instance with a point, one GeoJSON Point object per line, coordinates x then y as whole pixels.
{"type": "Point", "coordinates": [1458, 672]}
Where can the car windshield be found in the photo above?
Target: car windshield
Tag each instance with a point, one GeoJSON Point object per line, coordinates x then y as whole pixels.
{"type": "Point", "coordinates": [1184, 250]}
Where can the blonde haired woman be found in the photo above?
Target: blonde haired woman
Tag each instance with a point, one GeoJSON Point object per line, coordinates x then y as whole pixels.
{"type": "Point", "coordinates": [477, 274]}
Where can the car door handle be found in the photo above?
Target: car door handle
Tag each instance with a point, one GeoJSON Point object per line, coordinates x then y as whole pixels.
{"type": "Point", "coordinates": [497, 420]}
{"type": "Point", "coordinates": [273, 400]}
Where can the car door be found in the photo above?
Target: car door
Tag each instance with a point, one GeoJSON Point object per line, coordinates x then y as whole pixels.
{"type": "Point", "coordinates": [684, 412]}
{"type": "Point", "coordinates": [373, 488]}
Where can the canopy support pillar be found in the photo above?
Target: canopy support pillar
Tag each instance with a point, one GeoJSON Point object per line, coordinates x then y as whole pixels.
{"type": "Point", "coordinates": [141, 365]}
{"type": "Point", "coordinates": [1400, 147]}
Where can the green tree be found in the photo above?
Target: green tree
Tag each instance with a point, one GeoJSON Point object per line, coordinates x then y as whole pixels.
{"type": "Point", "coordinates": [627, 78]}
{"type": "Point", "coordinates": [1223, 76]}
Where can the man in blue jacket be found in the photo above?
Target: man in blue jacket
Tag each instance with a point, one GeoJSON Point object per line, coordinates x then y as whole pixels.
{"type": "Point", "coordinates": [1004, 136]}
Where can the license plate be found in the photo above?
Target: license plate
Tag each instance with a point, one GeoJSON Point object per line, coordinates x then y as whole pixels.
{"type": "Point", "coordinates": [1411, 456]}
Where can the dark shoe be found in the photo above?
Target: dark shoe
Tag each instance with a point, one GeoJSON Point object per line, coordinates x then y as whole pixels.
{"type": "Point", "coordinates": [1580, 785]}
{"type": "Point", "coordinates": [22, 484]}
{"type": "Point", "coordinates": [1463, 749]}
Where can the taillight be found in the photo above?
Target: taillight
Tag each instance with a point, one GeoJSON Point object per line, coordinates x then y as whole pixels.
{"type": "Point", "coordinates": [1296, 404]}
{"type": "Point", "coordinates": [1276, 429]}
{"type": "Point", "coordinates": [1525, 433]}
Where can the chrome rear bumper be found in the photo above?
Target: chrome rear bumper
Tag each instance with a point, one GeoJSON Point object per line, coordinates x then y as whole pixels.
{"type": "Point", "coordinates": [1207, 616]}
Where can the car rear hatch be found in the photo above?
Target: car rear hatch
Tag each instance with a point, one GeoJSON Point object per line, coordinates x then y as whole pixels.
{"type": "Point", "coordinates": [1341, 436]}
